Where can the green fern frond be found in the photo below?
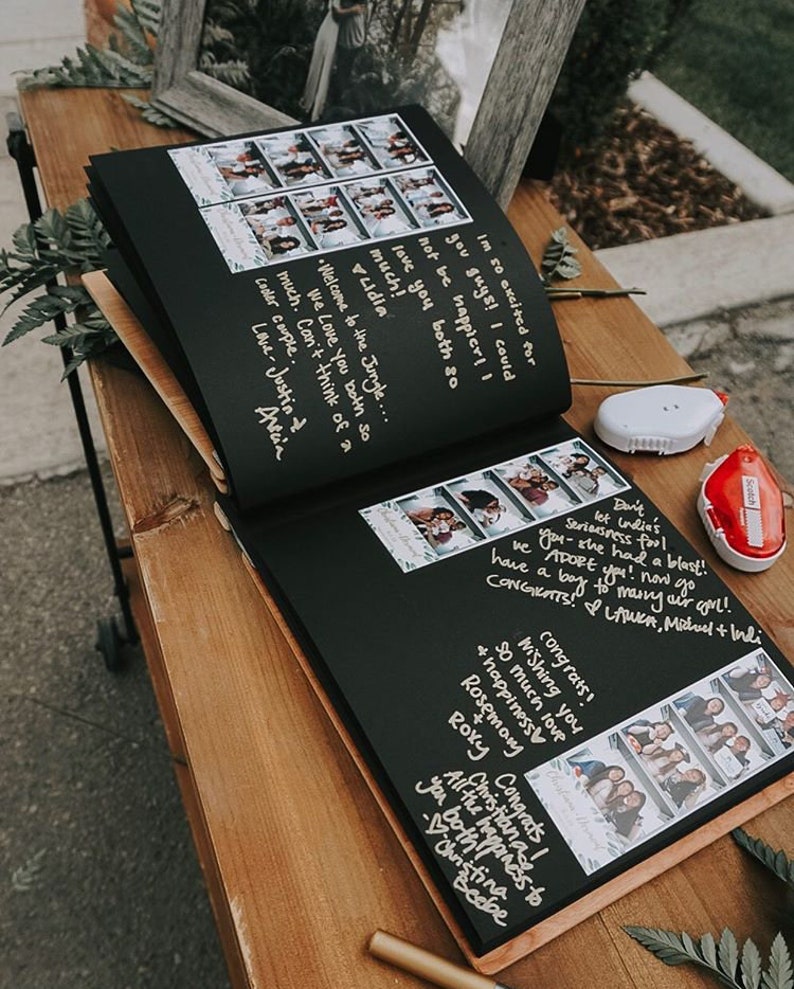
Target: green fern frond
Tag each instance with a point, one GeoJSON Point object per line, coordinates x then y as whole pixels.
{"type": "Point", "coordinates": [24, 239]}
{"type": "Point", "coordinates": [126, 64]}
{"type": "Point", "coordinates": [779, 975]}
{"type": "Point", "coordinates": [88, 338]}
{"type": "Point", "coordinates": [148, 14]}
{"type": "Point", "coordinates": [234, 72]}
{"type": "Point", "coordinates": [22, 281]}
{"type": "Point", "coordinates": [732, 968]}
{"type": "Point", "coordinates": [91, 325]}
{"type": "Point", "coordinates": [58, 244]}
{"type": "Point", "coordinates": [59, 301]}
{"type": "Point", "coordinates": [777, 861]}
{"type": "Point", "coordinates": [214, 33]}
{"type": "Point", "coordinates": [131, 37]}
{"type": "Point", "coordinates": [150, 113]}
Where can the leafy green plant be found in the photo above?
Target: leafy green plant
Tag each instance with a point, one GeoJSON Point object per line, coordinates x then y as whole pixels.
{"type": "Point", "coordinates": [128, 62]}
{"type": "Point", "coordinates": [559, 258]}
{"type": "Point", "coordinates": [57, 245]}
{"type": "Point", "coordinates": [614, 41]}
{"type": "Point", "coordinates": [731, 966]}
{"type": "Point", "coordinates": [559, 261]}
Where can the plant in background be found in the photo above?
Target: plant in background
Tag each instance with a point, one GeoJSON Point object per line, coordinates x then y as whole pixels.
{"type": "Point", "coordinates": [614, 42]}
{"type": "Point", "coordinates": [738, 969]}
{"type": "Point", "coordinates": [127, 62]}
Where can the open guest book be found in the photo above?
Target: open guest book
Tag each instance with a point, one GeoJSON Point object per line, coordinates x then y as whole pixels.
{"type": "Point", "coordinates": [549, 692]}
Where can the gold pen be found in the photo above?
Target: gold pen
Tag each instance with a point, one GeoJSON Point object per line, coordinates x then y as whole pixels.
{"type": "Point", "coordinates": [426, 965]}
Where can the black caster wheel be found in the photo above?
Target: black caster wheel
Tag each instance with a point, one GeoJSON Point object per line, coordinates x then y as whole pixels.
{"type": "Point", "coordinates": [110, 642]}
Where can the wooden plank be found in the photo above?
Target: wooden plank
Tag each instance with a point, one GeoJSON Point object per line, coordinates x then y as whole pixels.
{"type": "Point", "coordinates": [531, 52]}
{"type": "Point", "coordinates": [68, 125]}
{"type": "Point", "coordinates": [160, 376]}
{"type": "Point", "coordinates": [303, 857]}
{"type": "Point", "coordinates": [184, 777]}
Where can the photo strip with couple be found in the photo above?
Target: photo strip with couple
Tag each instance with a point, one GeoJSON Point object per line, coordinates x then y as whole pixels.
{"type": "Point", "coordinates": [491, 503]}
{"type": "Point", "coordinates": [287, 195]}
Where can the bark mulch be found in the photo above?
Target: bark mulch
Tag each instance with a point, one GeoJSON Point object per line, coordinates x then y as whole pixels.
{"type": "Point", "coordinates": [644, 182]}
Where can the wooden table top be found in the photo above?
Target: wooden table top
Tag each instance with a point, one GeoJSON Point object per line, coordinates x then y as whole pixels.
{"type": "Point", "coordinates": [300, 863]}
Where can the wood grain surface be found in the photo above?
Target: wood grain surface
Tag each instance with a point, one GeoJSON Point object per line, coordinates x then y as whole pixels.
{"type": "Point", "coordinates": [300, 863]}
{"type": "Point", "coordinates": [159, 374]}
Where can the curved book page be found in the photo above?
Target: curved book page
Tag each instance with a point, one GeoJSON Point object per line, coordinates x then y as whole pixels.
{"type": "Point", "coordinates": [343, 297]}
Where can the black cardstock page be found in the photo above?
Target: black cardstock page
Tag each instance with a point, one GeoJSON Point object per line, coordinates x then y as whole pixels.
{"type": "Point", "coordinates": [574, 628]}
{"type": "Point", "coordinates": [345, 360]}
{"type": "Point", "coordinates": [546, 681]}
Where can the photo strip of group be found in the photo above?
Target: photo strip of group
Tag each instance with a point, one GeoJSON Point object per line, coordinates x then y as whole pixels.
{"type": "Point", "coordinates": [277, 197]}
{"type": "Point", "coordinates": [637, 779]}
{"type": "Point", "coordinates": [451, 517]}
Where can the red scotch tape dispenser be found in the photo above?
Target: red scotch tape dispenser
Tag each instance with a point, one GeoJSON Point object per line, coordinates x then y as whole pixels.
{"type": "Point", "coordinates": [660, 419]}
{"type": "Point", "coordinates": [741, 507]}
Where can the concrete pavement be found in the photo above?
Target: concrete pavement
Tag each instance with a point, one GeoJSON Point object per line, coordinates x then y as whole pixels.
{"type": "Point", "coordinates": [100, 885]}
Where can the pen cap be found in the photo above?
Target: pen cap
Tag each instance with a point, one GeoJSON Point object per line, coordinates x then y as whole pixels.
{"type": "Point", "coordinates": [425, 964]}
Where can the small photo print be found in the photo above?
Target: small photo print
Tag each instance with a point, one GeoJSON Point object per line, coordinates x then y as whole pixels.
{"type": "Point", "coordinates": [543, 493]}
{"type": "Point", "coordinates": [277, 229]}
{"type": "Point", "coordinates": [672, 766]}
{"type": "Point", "coordinates": [600, 801]}
{"type": "Point", "coordinates": [708, 714]}
{"type": "Point", "coordinates": [393, 145]}
{"type": "Point", "coordinates": [429, 197]}
{"type": "Point", "coordinates": [270, 216]}
{"type": "Point", "coordinates": [498, 500]}
{"type": "Point", "coordinates": [379, 209]}
{"type": "Point", "coordinates": [293, 158]}
{"type": "Point", "coordinates": [242, 167]}
{"type": "Point", "coordinates": [344, 151]}
{"type": "Point", "coordinates": [328, 217]}
{"type": "Point", "coordinates": [585, 473]}
{"type": "Point", "coordinates": [487, 502]}
{"type": "Point", "coordinates": [439, 521]}
{"type": "Point", "coordinates": [764, 698]}
{"type": "Point", "coordinates": [610, 781]}
{"type": "Point", "coordinates": [282, 246]}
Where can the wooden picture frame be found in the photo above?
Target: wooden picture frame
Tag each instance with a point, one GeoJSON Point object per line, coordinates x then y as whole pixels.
{"type": "Point", "coordinates": [533, 45]}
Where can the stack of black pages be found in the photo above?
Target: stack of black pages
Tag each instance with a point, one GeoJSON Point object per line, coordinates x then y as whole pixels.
{"type": "Point", "coordinates": [545, 683]}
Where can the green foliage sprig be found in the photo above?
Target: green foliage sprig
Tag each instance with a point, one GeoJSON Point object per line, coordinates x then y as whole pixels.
{"type": "Point", "coordinates": [559, 261]}
{"type": "Point", "coordinates": [777, 861]}
{"type": "Point", "coordinates": [738, 969]}
{"type": "Point", "coordinates": [128, 62]}
{"type": "Point", "coordinates": [559, 258]}
{"type": "Point", "coordinates": [57, 245]}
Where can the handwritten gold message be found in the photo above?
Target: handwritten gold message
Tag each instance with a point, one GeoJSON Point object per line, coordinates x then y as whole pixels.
{"type": "Point", "coordinates": [319, 325]}
{"type": "Point", "coordinates": [479, 824]}
{"type": "Point", "coordinates": [618, 567]}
